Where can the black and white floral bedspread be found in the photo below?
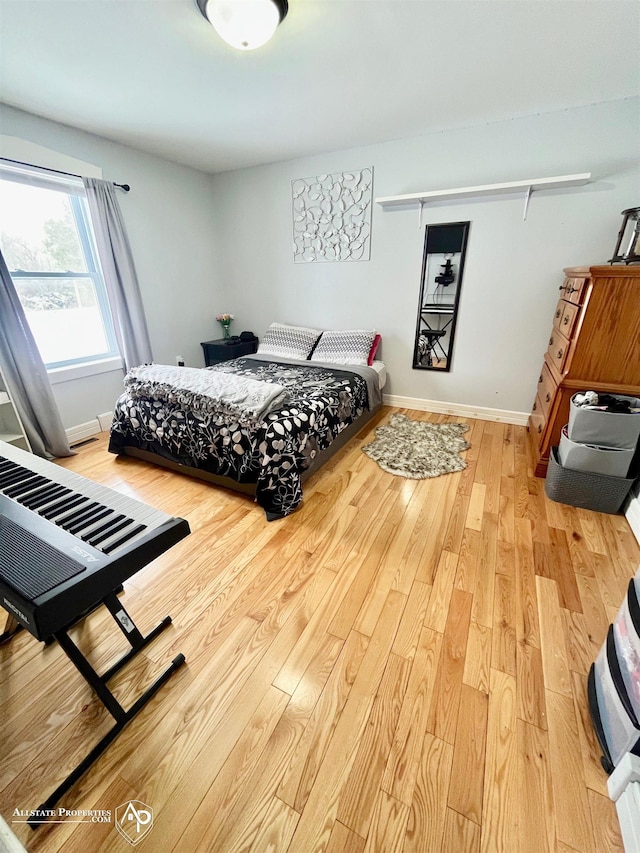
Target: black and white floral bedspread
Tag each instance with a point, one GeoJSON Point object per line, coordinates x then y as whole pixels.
{"type": "Point", "coordinates": [322, 402]}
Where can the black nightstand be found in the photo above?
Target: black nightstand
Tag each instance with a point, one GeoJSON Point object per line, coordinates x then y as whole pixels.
{"type": "Point", "coordinates": [220, 350]}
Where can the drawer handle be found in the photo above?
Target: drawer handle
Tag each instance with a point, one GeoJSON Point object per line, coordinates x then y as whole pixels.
{"type": "Point", "coordinates": [540, 380]}
{"type": "Point", "coordinates": [547, 398]}
{"type": "Point", "coordinates": [560, 353]}
{"type": "Point", "coordinates": [565, 322]}
{"type": "Point", "coordinates": [535, 406]}
{"type": "Point", "coordinates": [558, 313]}
{"type": "Point", "coordinates": [539, 427]}
{"type": "Point", "coordinates": [551, 341]}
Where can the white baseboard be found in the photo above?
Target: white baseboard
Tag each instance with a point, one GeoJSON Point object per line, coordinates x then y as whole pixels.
{"type": "Point", "coordinates": [632, 514]}
{"type": "Point", "coordinates": [101, 423]}
{"type": "Point", "coordinates": [105, 420]}
{"type": "Point", "coordinates": [457, 409]}
{"type": "Point", "coordinates": [82, 431]}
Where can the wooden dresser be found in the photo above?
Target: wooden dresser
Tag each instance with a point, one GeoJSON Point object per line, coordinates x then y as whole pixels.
{"type": "Point", "coordinates": [594, 346]}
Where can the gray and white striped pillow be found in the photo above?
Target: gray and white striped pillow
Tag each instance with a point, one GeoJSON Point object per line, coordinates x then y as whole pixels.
{"type": "Point", "coordinates": [350, 347]}
{"type": "Point", "coordinates": [288, 341]}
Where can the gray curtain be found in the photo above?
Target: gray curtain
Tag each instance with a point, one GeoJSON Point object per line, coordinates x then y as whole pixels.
{"type": "Point", "coordinates": [119, 271]}
{"type": "Point", "coordinates": [26, 376]}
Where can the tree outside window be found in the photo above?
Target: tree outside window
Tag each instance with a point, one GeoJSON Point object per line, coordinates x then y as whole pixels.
{"type": "Point", "coordinates": [47, 243]}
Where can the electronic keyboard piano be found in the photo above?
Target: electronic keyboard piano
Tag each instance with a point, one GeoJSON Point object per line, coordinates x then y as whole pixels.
{"type": "Point", "coordinates": [65, 542]}
{"type": "Point", "coordinates": [66, 546]}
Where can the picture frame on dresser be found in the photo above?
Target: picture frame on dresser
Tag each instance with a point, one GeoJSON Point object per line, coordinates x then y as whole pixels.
{"type": "Point", "coordinates": [594, 345]}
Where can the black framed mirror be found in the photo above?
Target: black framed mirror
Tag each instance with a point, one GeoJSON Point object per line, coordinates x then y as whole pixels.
{"type": "Point", "coordinates": [442, 267]}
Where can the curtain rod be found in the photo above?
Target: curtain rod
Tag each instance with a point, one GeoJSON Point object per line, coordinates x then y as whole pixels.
{"type": "Point", "coordinates": [124, 187]}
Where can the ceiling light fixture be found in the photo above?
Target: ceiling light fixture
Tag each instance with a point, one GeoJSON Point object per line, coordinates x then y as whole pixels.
{"type": "Point", "coordinates": [245, 24]}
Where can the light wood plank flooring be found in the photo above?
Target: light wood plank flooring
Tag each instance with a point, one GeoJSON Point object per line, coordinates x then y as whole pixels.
{"type": "Point", "coordinates": [398, 666]}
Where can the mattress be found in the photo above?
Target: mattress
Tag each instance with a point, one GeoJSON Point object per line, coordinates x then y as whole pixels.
{"type": "Point", "coordinates": [324, 402]}
{"type": "Point", "coordinates": [381, 370]}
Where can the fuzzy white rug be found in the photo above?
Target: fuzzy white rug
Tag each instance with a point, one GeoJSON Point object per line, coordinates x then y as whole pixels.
{"type": "Point", "coordinates": [417, 449]}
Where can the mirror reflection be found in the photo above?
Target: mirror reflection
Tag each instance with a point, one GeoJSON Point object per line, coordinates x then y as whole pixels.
{"type": "Point", "coordinates": [442, 267]}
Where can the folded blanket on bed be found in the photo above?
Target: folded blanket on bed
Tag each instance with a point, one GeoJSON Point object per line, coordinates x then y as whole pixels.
{"type": "Point", "coordinates": [203, 390]}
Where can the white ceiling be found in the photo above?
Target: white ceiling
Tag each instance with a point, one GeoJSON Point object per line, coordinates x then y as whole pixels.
{"type": "Point", "coordinates": [338, 73]}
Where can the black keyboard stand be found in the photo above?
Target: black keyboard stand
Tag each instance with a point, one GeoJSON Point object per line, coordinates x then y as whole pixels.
{"type": "Point", "coordinates": [11, 627]}
{"type": "Point", "coordinates": [99, 685]}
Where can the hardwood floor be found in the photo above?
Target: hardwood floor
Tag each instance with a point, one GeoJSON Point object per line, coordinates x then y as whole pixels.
{"type": "Point", "coordinates": [398, 666]}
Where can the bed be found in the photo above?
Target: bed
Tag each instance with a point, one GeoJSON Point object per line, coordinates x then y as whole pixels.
{"type": "Point", "coordinates": [267, 454]}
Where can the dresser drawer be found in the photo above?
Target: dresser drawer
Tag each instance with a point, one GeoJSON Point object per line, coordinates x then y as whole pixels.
{"type": "Point", "coordinates": [537, 421]}
{"type": "Point", "coordinates": [557, 317]}
{"type": "Point", "coordinates": [568, 319]}
{"type": "Point", "coordinates": [564, 318]}
{"type": "Point", "coordinates": [558, 349]}
{"type": "Point", "coordinates": [546, 389]}
{"type": "Point", "coordinates": [573, 288]}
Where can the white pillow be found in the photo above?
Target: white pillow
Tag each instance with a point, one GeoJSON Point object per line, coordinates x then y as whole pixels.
{"type": "Point", "coordinates": [288, 341]}
{"type": "Point", "coordinates": [350, 347]}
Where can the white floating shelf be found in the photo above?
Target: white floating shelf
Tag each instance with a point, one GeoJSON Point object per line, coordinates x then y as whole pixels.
{"type": "Point", "coordinates": [529, 185]}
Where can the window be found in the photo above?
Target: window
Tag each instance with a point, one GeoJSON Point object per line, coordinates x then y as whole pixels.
{"type": "Point", "coordinates": [48, 245]}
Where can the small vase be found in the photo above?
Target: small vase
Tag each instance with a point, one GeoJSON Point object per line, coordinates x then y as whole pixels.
{"type": "Point", "coordinates": [225, 331]}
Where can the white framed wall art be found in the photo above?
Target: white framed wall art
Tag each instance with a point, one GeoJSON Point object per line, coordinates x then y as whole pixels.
{"type": "Point", "coordinates": [332, 217]}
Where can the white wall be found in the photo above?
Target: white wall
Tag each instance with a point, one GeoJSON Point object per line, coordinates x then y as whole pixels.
{"type": "Point", "coordinates": [168, 215]}
{"type": "Point", "coordinates": [513, 268]}
{"type": "Point", "coordinates": [206, 244]}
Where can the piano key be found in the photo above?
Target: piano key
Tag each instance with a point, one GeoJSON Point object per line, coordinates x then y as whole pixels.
{"type": "Point", "coordinates": [131, 507]}
{"type": "Point", "coordinates": [52, 502]}
{"type": "Point", "coordinates": [96, 524]}
{"type": "Point", "coordinates": [119, 506]}
{"type": "Point", "coordinates": [25, 486]}
{"type": "Point", "coordinates": [139, 537]}
{"type": "Point", "coordinates": [55, 510]}
{"type": "Point", "coordinates": [110, 547]}
{"type": "Point", "coordinates": [60, 506]}
{"type": "Point", "coordinates": [78, 504]}
{"type": "Point", "coordinates": [93, 537]}
{"type": "Point", "coordinates": [13, 466]}
{"type": "Point", "coordinates": [11, 477]}
{"type": "Point", "coordinates": [9, 463]}
{"type": "Point", "coordinates": [81, 515]}
{"type": "Point", "coordinates": [33, 479]}
{"type": "Point", "coordinates": [103, 531]}
{"type": "Point", "coordinates": [66, 513]}
{"type": "Point", "coordinates": [43, 496]}
{"type": "Point", "coordinates": [144, 514]}
{"type": "Point", "coordinates": [37, 494]}
{"type": "Point", "coordinates": [123, 503]}
{"type": "Point", "coordinates": [148, 516]}
{"type": "Point", "coordinates": [83, 525]}
{"type": "Point", "coordinates": [100, 540]}
{"type": "Point", "coordinates": [117, 533]}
